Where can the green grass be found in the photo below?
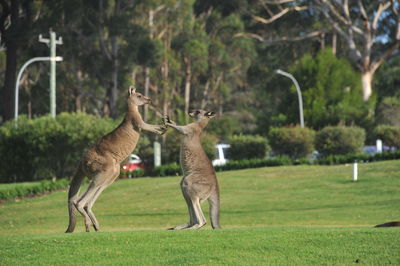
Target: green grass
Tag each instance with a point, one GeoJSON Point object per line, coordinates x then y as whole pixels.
{"type": "Point", "coordinates": [279, 215]}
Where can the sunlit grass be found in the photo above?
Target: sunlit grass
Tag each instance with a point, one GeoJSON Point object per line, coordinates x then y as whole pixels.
{"type": "Point", "coordinates": [277, 215]}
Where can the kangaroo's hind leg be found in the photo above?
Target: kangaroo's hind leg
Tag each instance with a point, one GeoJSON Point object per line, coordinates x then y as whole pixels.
{"type": "Point", "coordinates": [189, 204]}
{"type": "Point", "coordinates": [80, 204]}
{"type": "Point", "coordinates": [105, 182]}
{"type": "Point", "coordinates": [200, 220]}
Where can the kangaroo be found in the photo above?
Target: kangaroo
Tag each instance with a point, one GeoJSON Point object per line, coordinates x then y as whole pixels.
{"type": "Point", "coordinates": [389, 224]}
{"type": "Point", "coordinates": [101, 162]}
{"type": "Point", "coordinates": [199, 181]}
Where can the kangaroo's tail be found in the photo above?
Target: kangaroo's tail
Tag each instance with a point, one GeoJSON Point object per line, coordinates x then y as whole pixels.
{"type": "Point", "coordinates": [389, 224]}
{"type": "Point", "coordinates": [72, 196]}
{"type": "Point", "coordinates": [214, 209]}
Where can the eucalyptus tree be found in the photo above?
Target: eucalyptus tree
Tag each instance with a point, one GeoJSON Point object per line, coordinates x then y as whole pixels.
{"type": "Point", "coordinates": [370, 29]}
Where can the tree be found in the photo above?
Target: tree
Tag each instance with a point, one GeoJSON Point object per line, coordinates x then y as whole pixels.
{"type": "Point", "coordinates": [331, 92]}
{"type": "Point", "coordinates": [370, 29]}
{"type": "Point", "coordinates": [15, 23]}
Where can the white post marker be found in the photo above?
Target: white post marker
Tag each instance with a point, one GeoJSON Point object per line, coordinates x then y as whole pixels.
{"type": "Point", "coordinates": [355, 171]}
{"type": "Point", "coordinates": [379, 146]}
{"type": "Point", "coordinates": [157, 153]}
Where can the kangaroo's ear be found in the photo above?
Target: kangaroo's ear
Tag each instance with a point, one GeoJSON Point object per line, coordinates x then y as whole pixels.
{"type": "Point", "coordinates": [210, 114]}
{"type": "Point", "coordinates": [131, 90]}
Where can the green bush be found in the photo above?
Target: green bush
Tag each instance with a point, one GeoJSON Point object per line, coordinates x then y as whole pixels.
{"type": "Point", "coordinates": [172, 169]}
{"type": "Point", "coordinates": [340, 140]}
{"type": "Point", "coordinates": [21, 190]}
{"type": "Point", "coordinates": [132, 174]}
{"type": "Point", "coordinates": [45, 147]}
{"type": "Point", "coordinates": [247, 147]}
{"type": "Point", "coordinates": [295, 142]}
{"type": "Point", "coordinates": [390, 135]}
{"type": "Point", "coordinates": [254, 163]}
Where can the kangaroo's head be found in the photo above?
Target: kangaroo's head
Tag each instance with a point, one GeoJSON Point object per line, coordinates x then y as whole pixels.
{"type": "Point", "coordinates": [201, 114]}
{"type": "Point", "coordinates": [137, 98]}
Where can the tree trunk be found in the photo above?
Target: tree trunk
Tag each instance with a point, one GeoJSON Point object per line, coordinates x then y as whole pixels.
{"type": "Point", "coordinates": [187, 88]}
{"type": "Point", "coordinates": [11, 44]}
{"type": "Point", "coordinates": [366, 81]}
{"type": "Point", "coordinates": [146, 91]}
{"type": "Point", "coordinates": [9, 82]}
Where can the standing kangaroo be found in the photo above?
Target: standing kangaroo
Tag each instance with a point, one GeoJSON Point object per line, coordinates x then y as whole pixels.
{"type": "Point", "coordinates": [101, 162]}
{"type": "Point", "coordinates": [199, 181]}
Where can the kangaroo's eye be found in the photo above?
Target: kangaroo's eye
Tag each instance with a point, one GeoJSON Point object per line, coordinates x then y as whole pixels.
{"type": "Point", "coordinates": [139, 96]}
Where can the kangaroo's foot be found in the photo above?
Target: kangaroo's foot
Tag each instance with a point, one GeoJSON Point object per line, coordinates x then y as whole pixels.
{"type": "Point", "coordinates": [179, 227]}
{"type": "Point", "coordinates": [197, 226]}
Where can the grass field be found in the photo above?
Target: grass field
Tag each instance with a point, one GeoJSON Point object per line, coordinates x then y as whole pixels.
{"type": "Point", "coordinates": [279, 215]}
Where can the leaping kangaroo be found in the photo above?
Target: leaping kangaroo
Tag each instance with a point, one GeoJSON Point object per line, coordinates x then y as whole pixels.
{"type": "Point", "coordinates": [199, 181]}
{"type": "Point", "coordinates": [101, 162]}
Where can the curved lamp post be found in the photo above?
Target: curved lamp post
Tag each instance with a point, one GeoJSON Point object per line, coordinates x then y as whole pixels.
{"type": "Point", "coordinates": [30, 61]}
{"type": "Point", "coordinates": [296, 84]}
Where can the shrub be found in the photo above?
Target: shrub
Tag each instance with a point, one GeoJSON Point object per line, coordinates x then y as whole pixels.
{"type": "Point", "coordinates": [46, 147]}
{"type": "Point", "coordinates": [248, 147]}
{"type": "Point", "coordinates": [167, 170]}
{"type": "Point", "coordinates": [390, 135]}
{"type": "Point", "coordinates": [340, 140]}
{"type": "Point", "coordinates": [254, 163]}
{"type": "Point", "coordinates": [21, 190]}
{"type": "Point", "coordinates": [295, 142]}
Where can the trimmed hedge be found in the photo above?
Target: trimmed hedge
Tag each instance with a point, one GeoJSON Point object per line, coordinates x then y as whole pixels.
{"type": "Point", "coordinates": [132, 174]}
{"type": "Point", "coordinates": [45, 147]}
{"type": "Point", "coordinates": [21, 190]}
{"type": "Point", "coordinates": [390, 135]}
{"type": "Point", "coordinates": [340, 140]}
{"type": "Point", "coordinates": [254, 163]}
{"type": "Point", "coordinates": [295, 142]}
{"type": "Point", "coordinates": [247, 147]}
{"type": "Point", "coordinates": [172, 169]}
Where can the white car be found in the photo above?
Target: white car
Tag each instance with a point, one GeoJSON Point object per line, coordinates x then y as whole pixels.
{"type": "Point", "coordinates": [221, 154]}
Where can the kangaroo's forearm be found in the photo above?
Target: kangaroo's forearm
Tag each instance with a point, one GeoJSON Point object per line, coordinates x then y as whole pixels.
{"type": "Point", "coordinates": [157, 129]}
{"type": "Point", "coordinates": [180, 129]}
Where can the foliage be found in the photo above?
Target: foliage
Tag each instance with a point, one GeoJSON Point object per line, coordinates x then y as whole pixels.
{"type": "Point", "coordinates": [45, 147]}
{"type": "Point", "coordinates": [254, 163]}
{"type": "Point", "coordinates": [351, 158]}
{"type": "Point", "coordinates": [388, 111]}
{"type": "Point", "coordinates": [331, 92]}
{"type": "Point", "coordinates": [390, 135]}
{"type": "Point", "coordinates": [18, 190]}
{"type": "Point", "coordinates": [295, 142]}
{"type": "Point", "coordinates": [340, 140]}
{"type": "Point", "coordinates": [248, 147]}
{"type": "Point", "coordinates": [172, 169]}
{"type": "Point", "coordinates": [132, 174]}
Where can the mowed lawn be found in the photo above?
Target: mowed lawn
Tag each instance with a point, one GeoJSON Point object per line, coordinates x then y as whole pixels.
{"type": "Point", "coordinates": [277, 215]}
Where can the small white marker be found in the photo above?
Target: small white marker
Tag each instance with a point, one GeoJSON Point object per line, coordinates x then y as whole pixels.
{"type": "Point", "coordinates": [355, 171]}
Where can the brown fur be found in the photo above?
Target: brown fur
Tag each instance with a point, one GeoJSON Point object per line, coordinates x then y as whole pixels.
{"type": "Point", "coordinates": [389, 224]}
{"type": "Point", "coordinates": [101, 162]}
{"type": "Point", "coordinates": [199, 181]}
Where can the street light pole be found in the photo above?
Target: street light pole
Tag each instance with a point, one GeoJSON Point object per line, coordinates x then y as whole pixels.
{"type": "Point", "coordinates": [30, 61]}
{"type": "Point", "coordinates": [296, 84]}
{"type": "Point", "coordinates": [52, 42]}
